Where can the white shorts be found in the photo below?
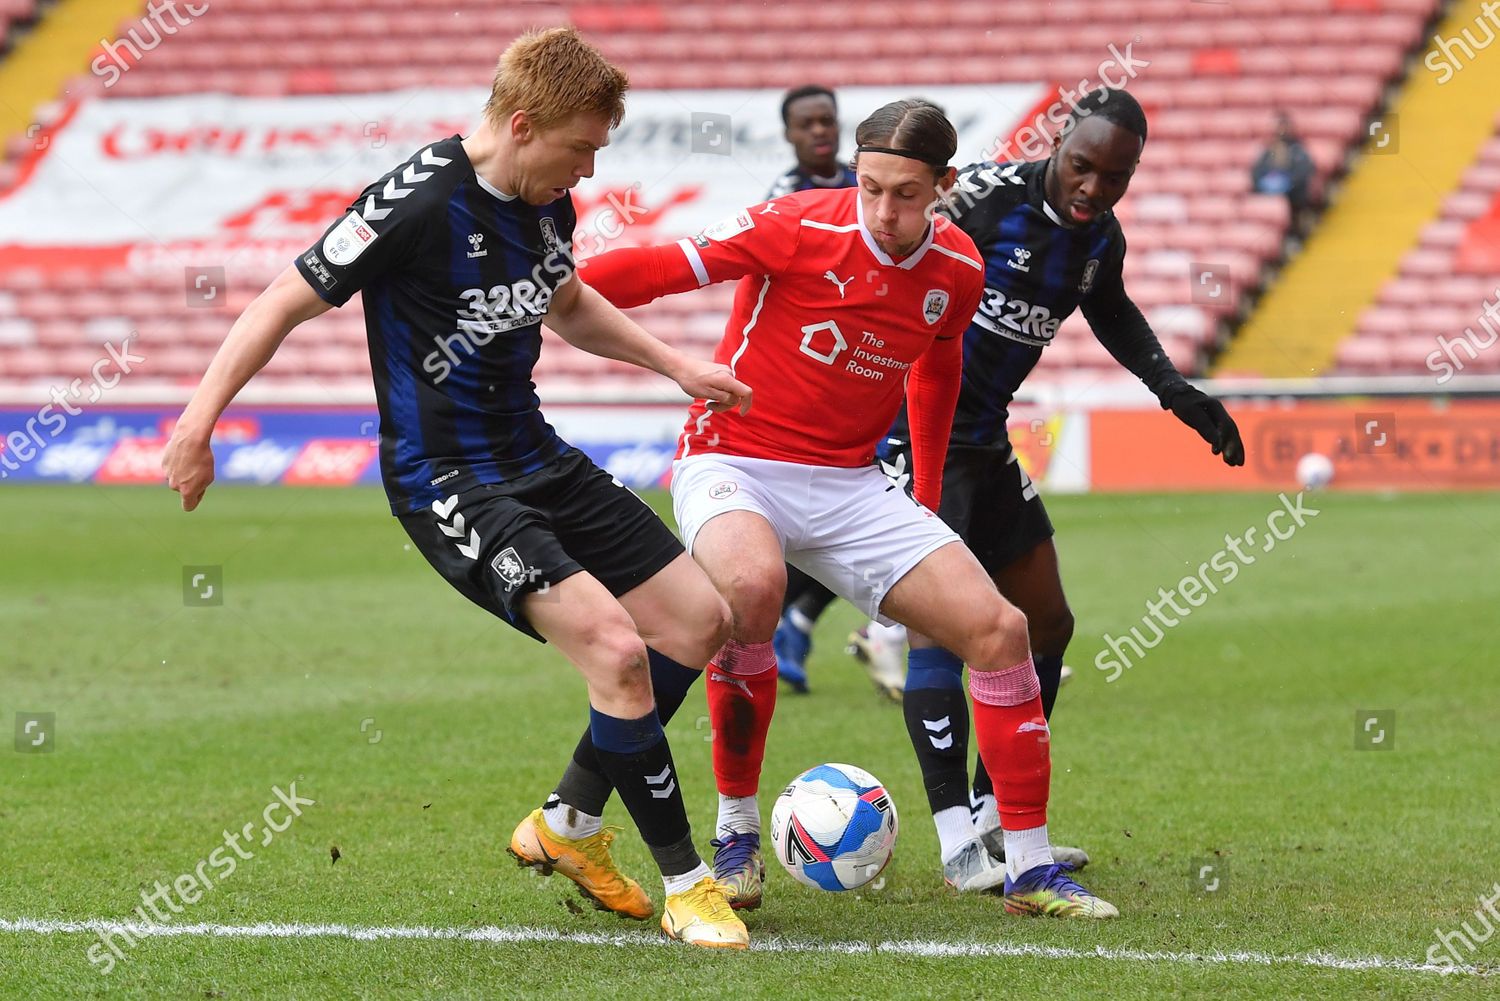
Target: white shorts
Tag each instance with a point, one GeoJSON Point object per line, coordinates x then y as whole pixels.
{"type": "Point", "coordinates": [850, 529]}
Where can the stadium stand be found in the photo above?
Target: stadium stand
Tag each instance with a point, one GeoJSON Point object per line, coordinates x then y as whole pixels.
{"type": "Point", "coordinates": [1216, 76]}
{"type": "Point", "coordinates": [13, 13]}
{"type": "Point", "coordinates": [1442, 286]}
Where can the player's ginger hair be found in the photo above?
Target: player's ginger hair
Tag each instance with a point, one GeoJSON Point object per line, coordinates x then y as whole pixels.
{"type": "Point", "coordinates": [551, 74]}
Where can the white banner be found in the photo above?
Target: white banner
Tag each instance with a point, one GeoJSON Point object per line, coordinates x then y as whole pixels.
{"type": "Point", "coordinates": [137, 181]}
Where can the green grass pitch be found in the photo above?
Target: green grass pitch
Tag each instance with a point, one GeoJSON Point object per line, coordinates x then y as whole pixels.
{"type": "Point", "coordinates": [424, 730]}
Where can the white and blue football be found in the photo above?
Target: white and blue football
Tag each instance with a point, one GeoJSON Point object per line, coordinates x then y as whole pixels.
{"type": "Point", "coordinates": [834, 827]}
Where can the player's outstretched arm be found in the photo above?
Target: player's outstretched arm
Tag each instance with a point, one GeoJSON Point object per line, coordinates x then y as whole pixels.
{"type": "Point", "coordinates": [634, 276]}
{"type": "Point", "coordinates": [1118, 324]}
{"type": "Point", "coordinates": [586, 320]}
{"type": "Point", "coordinates": [188, 462]}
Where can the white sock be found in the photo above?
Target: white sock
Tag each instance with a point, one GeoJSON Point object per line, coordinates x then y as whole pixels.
{"type": "Point", "coordinates": [986, 814]}
{"type": "Point", "coordinates": [1026, 850]}
{"type": "Point", "coordinates": [895, 634]}
{"type": "Point", "coordinates": [683, 883]}
{"type": "Point", "coordinates": [954, 829]}
{"type": "Point", "coordinates": [570, 822]}
{"type": "Point", "coordinates": [738, 815]}
{"type": "Point", "coordinates": [800, 620]}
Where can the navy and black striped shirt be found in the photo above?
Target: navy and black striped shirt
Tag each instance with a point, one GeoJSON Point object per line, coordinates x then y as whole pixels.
{"type": "Point", "coordinates": [456, 277]}
{"type": "Point", "coordinates": [1037, 272]}
{"type": "Point", "coordinates": [798, 179]}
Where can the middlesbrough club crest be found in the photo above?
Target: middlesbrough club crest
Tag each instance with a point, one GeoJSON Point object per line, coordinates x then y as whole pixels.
{"type": "Point", "coordinates": [510, 568]}
{"type": "Point", "coordinates": [935, 306]}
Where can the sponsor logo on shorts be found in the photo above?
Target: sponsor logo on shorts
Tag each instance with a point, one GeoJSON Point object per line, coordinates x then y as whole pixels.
{"type": "Point", "coordinates": [510, 568]}
{"type": "Point", "coordinates": [446, 476]}
{"type": "Point", "coordinates": [722, 489]}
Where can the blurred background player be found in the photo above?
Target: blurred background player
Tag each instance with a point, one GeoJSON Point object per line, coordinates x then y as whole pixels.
{"type": "Point", "coordinates": [783, 483]}
{"type": "Point", "coordinates": [811, 116]}
{"type": "Point", "coordinates": [514, 518]}
{"type": "Point", "coordinates": [1051, 244]}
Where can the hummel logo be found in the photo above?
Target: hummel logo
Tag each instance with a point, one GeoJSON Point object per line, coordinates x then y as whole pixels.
{"type": "Point", "coordinates": [455, 528]}
{"type": "Point", "coordinates": [1022, 256]}
{"type": "Point", "coordinates": [475, 239]}
{"type": "Point", "coordinates": [665, 780]}
{"type": "Point", "coordinates": [937, 726]}
{"type": "Point", "coordinates": [835, 279]}
{"type": "Point", "coordinates": [896, 471]}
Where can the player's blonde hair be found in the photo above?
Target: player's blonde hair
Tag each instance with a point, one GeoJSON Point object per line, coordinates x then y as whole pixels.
{"type": "Point", "coordinates": [551, 74]}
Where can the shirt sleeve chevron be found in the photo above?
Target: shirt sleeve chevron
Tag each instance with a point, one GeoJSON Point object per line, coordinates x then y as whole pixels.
{"type": "Point", "coordinates": [979, 195]}
{"type": "Point", "coordinates": [381, 230]}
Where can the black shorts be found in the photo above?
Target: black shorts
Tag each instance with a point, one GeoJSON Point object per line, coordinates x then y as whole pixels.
{"type": "Point", "coordinates": [987, 499]}
{"type": "Point", "coordinates": [500, 542]}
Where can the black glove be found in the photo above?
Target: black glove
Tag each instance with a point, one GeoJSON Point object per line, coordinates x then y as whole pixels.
{"type": "Point", "coordinates": [1207, 416]}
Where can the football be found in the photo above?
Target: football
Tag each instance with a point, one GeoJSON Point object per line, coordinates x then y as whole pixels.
{"type": "Point", "coordinates": [1314, 471]}
{"type": "Point", "coordinates": [834, 827]}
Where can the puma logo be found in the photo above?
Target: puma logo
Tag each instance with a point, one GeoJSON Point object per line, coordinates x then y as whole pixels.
{"type": "Point", "coordinates": [1031, 727]}
{"type": "Point", "coordinates": [835, 279]}
{"type": "Point", "coordinates": [731, 680]}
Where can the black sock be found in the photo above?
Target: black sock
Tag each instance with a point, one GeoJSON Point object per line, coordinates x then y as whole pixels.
{"type": "Point", "coordinates": [1049, 675]}
{"type": "Point", "coordinates": [937, 720]}
{"type": "Point", "coordinates": [637, 760]}
{"type": "Point", "coordinates": [583, 784]}
{"type": "Point", "coordinates": [805, 594]}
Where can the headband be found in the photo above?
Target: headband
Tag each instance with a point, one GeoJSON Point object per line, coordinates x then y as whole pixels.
{"type": "Point", "coordinates": [898, 152]}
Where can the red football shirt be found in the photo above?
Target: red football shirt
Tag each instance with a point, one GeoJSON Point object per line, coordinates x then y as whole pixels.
{"type": "Point", "coordinates": [827, 330]}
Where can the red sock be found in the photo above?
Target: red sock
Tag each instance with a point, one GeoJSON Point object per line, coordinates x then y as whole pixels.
{"type": "Point", "coordinates": [1014, 742]}
{"type": "Point", "coordinates": [741, 698]}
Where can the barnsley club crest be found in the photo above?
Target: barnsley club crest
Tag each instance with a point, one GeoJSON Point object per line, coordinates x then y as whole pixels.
{"type": "Point", "coordinates": [935, 306]}
{"type": "Point", "coordinates": [510, 568]}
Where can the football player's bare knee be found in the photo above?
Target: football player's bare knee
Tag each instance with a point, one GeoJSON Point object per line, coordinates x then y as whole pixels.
{"type": "Point", "coordinates": [754, 596]}
{"type": "Point", "coordinates": [1002, 641]}
{"type": "Point", "coordinates": [720, 627]}
{"type": "Point", "coordinates": [617, 669]}
{"type": "Point", "coordinates": [700, 629]}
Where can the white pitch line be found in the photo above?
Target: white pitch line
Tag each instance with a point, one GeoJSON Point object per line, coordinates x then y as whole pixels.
{"type": "Point", "coordinates": [772, 944]}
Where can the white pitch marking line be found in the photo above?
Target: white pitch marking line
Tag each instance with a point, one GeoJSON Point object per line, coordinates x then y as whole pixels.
{"type": "Point", "coordinates": [503, 936]}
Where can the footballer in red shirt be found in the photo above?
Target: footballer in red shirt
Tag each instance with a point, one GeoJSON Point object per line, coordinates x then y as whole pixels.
{"type": "Point", "coordinates": [846, 300]}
